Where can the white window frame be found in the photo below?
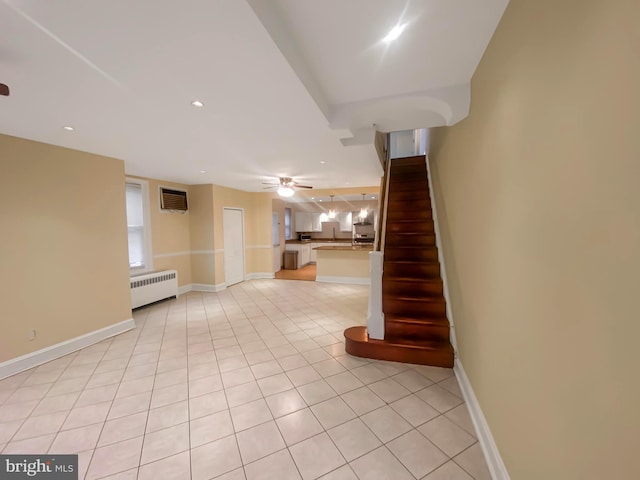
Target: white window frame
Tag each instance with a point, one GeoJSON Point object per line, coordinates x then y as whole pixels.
{"type": "Point", "coordinates": [146, 218]}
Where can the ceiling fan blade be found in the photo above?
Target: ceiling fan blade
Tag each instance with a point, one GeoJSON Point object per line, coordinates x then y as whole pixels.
{"type": "Point", "coordinates": [302, 186]}
{"type": "Point", "coordinates": [4, 90]}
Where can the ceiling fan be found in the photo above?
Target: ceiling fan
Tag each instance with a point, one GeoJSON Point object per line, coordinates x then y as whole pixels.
{"type": "Point", "coordinates": [4, 90]}
{"type": "Point", "coordinates": [286, 186]}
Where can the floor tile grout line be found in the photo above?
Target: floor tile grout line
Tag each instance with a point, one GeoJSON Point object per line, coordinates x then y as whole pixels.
{"type": "Point", "coordinates": [40, 401]}
{"type": "Point", "coordinates": [111, 406]}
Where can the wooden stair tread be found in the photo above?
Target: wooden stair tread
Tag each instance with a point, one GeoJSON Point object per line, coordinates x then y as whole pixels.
{"type": "Point", "coordinates": [431, 320]}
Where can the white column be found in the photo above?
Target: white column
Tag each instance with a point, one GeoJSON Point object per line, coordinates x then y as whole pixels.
{"type": "Point", "coordinates": [375, 317]}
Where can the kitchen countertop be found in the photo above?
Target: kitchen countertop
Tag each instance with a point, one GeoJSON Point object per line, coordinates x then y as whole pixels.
{"type": "Point", "coordinates": [357, 248]}
{"type": "Point", "coordinates": [318, 240]}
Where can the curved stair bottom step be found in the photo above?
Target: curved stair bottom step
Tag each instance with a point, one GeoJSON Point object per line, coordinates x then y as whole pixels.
{"type": "Point", "coordinates": [358, 343]}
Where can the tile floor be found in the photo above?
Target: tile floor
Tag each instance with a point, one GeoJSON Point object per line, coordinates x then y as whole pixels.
{"type": "Point", "coordinates": [249, 383]}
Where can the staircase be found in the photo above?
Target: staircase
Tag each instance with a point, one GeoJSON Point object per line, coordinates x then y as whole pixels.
{"type": "Point", "coordinates": [416, 329]}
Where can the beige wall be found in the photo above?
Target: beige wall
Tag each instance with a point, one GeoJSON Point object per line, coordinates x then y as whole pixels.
{"type": "Point", "coordinates": [193, 242]}
{"type": "Point", "coordinates": [257, 229]}
{"type": "Point", "coordinates": [170, 233]}
{"type": "Point", "coordinates": [64, 260]}
{"type": "Point", "coordinates": [201, 232]}
{"type": "Point", "coordinates": [539, 206]}
{"type": "Point", "coordinates": [278, 205]}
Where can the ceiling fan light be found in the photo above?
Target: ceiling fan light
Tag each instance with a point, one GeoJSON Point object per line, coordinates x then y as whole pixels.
{"type": "Point", "coordinates": [332, 213]}
{"type": "Point", "coordinates": [285, 191]}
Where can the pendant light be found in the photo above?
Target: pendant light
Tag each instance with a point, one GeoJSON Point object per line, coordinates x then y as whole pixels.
{"type": "Point", "coordinates": [332, 212]}
{"type": "Point", "coordinates": [363, 211]}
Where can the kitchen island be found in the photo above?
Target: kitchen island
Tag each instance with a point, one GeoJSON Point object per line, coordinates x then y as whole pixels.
{"type": "Point", "coordinates": [343, 264]}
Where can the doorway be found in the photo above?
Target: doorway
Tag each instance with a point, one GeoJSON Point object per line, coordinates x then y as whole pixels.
{"type": "Point", "coordinates": [233, 226]}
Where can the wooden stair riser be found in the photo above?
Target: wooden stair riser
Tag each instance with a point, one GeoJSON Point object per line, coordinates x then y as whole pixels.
{"type": "Point", "coordinates": [408, 161]}
{"type": "Point", "coordinates": [411, 269]}
{"type": "Point", "coordinates": [409, 240]}
{"type": "Point", "coordinates": [410, 197]}
{"type": "Point", "coordinates": [425, 227]}
{"type": "Point", "coordinates": [403, 287]}
{"type": "Point", "coordinates": [413, 308]}
{"type": "Point", "coordinates": [417, 254]}
{"type": "Point", "coordinates": [400, 329]}
{"type": "Point", "coordinates": [406, 215]}
{"type": "Point", "coordinates": [418, 188]}
{"type": "Point", "coordinates": [411, 204]}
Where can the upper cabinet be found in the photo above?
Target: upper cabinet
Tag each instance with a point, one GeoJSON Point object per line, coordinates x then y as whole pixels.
{"type": "Point", "coordinates": [309, 221]}
{"type": "Point", "coordinates": [303, 221]}
{"type": "Point", "coordinates": [345, 219]}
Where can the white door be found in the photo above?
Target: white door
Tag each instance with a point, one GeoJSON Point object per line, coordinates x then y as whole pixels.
{"type": "Point", "coordinates": [233, 226]}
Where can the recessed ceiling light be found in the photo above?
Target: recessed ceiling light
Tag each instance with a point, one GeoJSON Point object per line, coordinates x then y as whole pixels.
{"type": "Point", "coordinates": [323, 162]}
{"type": "Point", "coordinates": [197, 103]}
{"type": "Point", "coordinates": [394, 33]}
{"type": "Point", "coordinates": [68, 128]}
{"type": "Point", "coordinates": [373, 198]}
{"type": "Point", "coordinates": [203, 171]}
{"type": "Point", "coordinates": [313, 198]}
{"type": "Point", "coordinates": [320, 200]}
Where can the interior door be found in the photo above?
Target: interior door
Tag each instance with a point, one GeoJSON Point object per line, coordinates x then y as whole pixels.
{"type": "Point", "coordinates": [233, 226]}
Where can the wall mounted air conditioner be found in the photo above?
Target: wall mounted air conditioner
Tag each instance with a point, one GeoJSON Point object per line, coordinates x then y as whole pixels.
{"type": "Point", "coordinates": [173, 200]}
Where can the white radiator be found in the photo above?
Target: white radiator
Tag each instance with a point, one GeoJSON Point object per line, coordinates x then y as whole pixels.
{"type": "Point", "coordinates": [151, 287]}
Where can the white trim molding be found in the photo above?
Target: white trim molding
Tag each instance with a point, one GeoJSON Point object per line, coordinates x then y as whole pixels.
{"type": "Point", "coordinates": [496, 466]}
{"type": "Point", "coordinates": [253, 247]}
{"type": "Point", "coordinates": [33, 359]}
{"type": "Point", "coordinates": [207, 287]}
{"type": "Point", "coordinates": [375, 315]}
{"type": "Point", "coordinates": [185, 252]}
{"type": "Point", "coordinates": [443, 270]}
{"type": "Point", "coordinates": [172, 254]}
{"type": "Point", "coordinates": [350, 280]}
{"type": "Point", "coordinates": [258, 275]}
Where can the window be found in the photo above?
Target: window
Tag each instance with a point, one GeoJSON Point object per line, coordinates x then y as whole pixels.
{"type": "Point", "coordinates": [138, 226]}
{"type": "Point", "coordinates": [287, 224]}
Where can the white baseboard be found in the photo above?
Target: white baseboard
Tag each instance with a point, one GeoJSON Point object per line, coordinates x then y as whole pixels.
{"type": "Point", "coordinates": [495, 464]}
{"type": "Point", "coordinates": [350, 280]}
{"type": "Point", "coordinates": [201, 287]}
{"type": "Point", "coordinates": [258, 275]}
{"type": "Point", "coordinates": [33, 359]}
{"type": "Point", "coordinates": [204, 287]}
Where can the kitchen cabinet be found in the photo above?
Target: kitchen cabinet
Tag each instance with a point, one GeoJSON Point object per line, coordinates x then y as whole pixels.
{"type": "Point", "coordinates": [303, 221]}
{"type": "Point", "coordinates": [308, 221]}
{"type": "Point", "coordinates": [304, 253]}
{"type": "Point", "coordinates": [316, 221]}
{"type": "Point", "coordinates": [346, 221]}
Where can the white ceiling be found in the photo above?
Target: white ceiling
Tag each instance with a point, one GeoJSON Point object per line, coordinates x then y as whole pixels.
{"type": "Point", "coordinates": [286, 83]}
